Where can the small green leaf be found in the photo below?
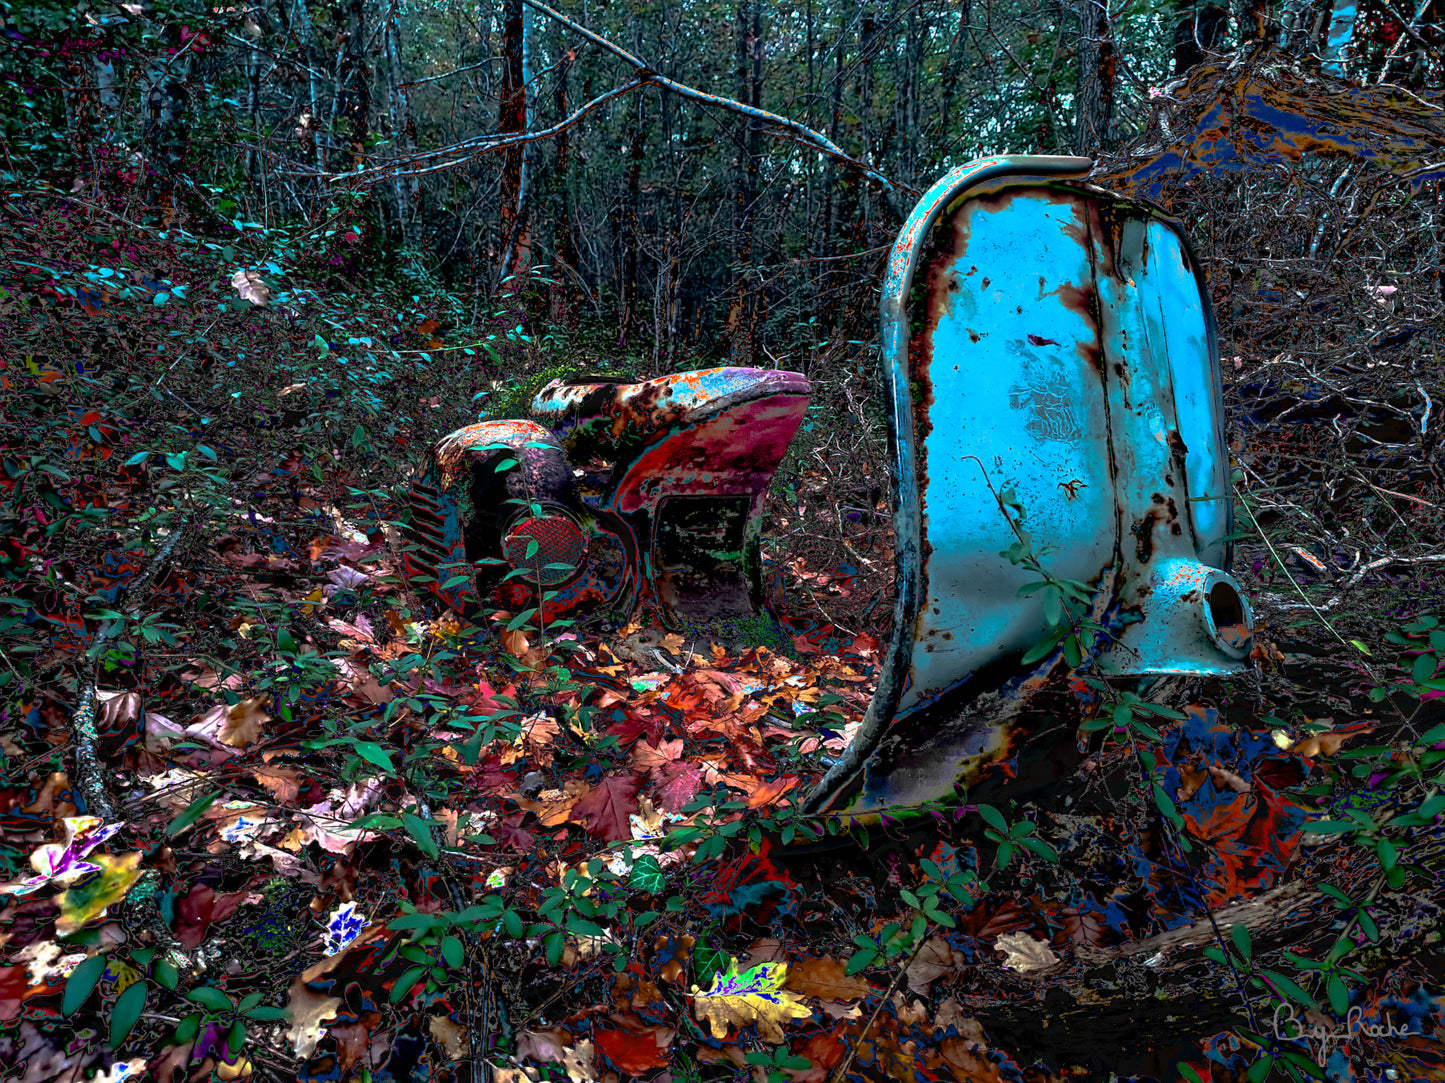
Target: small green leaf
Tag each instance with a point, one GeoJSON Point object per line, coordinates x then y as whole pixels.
{"type": "Point", "coordinates": [555, 942]}
{"type": "Point", "coordinates": [1005, 854]}
{"type": "Point", "coordinates": [192, 813]}
{"type": "Point", "coordinates": [208, 996]}
{"type": "Point", "coordinates": [993, 817]}
{"type": "Point", "coordinates": [1339, 995]}
{"type": "Point", "coordinates": [420, 831]}
{"type": "Point", "coordinates": [453, 952]}
{"type": "Point", "coordinates": [375, 754]}
{"type": "Point", "coordinates": [860, 960]}
{"type": "Point", "coordinates": [405, 983]}
{"type": "Point", "coordinates": [1328, 827]}
{"type": "Point", "coordinates": [1288, 987]}
{"type": "Point", "coordinates": [1186, 1072]}
{"type": "Point", "coordinates": [1423, 668]}
{"type": "Point", "coordinates": [80, 983]}
{"type": "Point", "coordinates": [266, 1013]}
{"type": "Point", "coordinates": [647, 875]}
{"type": "Point", "coordinates": [187, 1027]}
{"type": "Point", "coordinates": [1240, 935]}
{"type": "Point", "coordinates": [236, 1038]}
{"type": "Point", "coordinates": [1043, 849]}
{"type": "Point", "coordinates": [512, 922]}
{"type": "Point", "coordinates": [583, 927]}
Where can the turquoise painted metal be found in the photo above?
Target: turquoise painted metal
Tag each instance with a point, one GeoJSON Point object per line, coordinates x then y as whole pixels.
{"type": "Point", "coordinates": [1053, 369]}
{"type": "Point", "coordinates": [609, 495]}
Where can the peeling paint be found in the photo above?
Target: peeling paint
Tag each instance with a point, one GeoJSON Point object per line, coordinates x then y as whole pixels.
{"type": "Point", "coordinates": [673, 524]}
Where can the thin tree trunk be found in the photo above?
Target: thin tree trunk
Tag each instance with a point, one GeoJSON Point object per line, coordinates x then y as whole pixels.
{"type": "Point", "coordinates": [564, 245]}
{"type": "Point", "coordinates": [1097, 60]}
{"type": "Point", "coordinates": [356, 106]}
{"type": "Point", "coordinates": [630, 231]}
{"type": "Point", "coordinates": [741, 316]}
{"type": "Point", "coordinates": [826, 274]}
{"type": "Point", "coordinates": [408, 191]}
{"type": "Point", "coordinates": [516, 250]}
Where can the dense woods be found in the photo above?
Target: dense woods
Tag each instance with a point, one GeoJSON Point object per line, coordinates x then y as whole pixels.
{"type": "Point", "coordinates": [672, 227]}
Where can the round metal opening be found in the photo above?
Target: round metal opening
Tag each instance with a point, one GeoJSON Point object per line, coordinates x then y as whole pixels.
{"type": "Point", "coordinates": [550, 547]}
{"type": "Point", "coordinates": [1229, 618]}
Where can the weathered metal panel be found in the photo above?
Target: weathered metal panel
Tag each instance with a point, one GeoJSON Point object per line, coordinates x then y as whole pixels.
{"type": "Point", "coordinates": [1047, 339]}
{"type": "Point", "coordinates": [674, 520]}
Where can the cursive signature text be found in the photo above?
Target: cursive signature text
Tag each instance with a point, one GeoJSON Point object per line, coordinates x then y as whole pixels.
{"type": "Point", "coordinates": [1288, 1026]}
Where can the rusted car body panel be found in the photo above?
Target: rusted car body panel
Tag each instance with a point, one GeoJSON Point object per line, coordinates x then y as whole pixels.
{"type": "Point", "coordinates": [1051, 342]}
{"type": "Point", "coordinates": [611, 494]}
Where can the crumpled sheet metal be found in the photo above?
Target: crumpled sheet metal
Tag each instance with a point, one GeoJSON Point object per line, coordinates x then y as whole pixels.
{"type": "Point", "coordinates": [1257, 107]}
{"type": "Point", "coordinates": [671, 512]}
{"type": "Point", "coordinates": [1049, 340]}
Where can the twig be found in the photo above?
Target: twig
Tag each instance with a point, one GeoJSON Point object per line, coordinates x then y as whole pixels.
{"type": "Point", "coordinates": [91, 778]}
{"type": "Point", "coordinates": [842, 1070]}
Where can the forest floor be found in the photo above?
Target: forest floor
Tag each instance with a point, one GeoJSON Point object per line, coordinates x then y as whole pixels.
{"type": "Point", "coordinates": [353, 836]}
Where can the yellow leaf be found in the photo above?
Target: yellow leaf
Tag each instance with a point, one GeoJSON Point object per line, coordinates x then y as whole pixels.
{"type": "Point", "coordinates": [754, 996]}
{"type": "Point", "coordinates": [81, 905]}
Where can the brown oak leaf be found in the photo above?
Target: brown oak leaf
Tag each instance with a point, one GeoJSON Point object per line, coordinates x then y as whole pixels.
{"type": "Point", "coordinates": [825, 978]}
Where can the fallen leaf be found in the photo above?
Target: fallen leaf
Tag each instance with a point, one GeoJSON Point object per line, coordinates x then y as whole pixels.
{"type": "Point", "coordinates": [826, 978]}
{"type": "Point", "coordinates": [769, 792]}
{"type": "Point", "coordinates": [934, 959]}
{"type": "Point", "coordinates": [452, 1037]}
{"type": "Point", "coordinates": [637, 1046]}
{"type": "Point", "coordinates": [309, 1014]}
{"type": "Point", "coordinates": [754, 996]}
{"type": "Point", "coordinates": [678, 785]}
{"type": "Point", "coordinates": [1321, 744]}
{"type": "Point", "coordinates": [243, 722]}
{"type": "Point", "coordinates": [283, 783]}
{"type": "Point", "coordinates": [1190, 781]}
{"type": "Point", "coordinates": [825, 1051]}
{"type": "Point", "coordinates": [1228, 780]}
{"type": "Point", "coordinates": [251, 286]}
{"type": "Point", "coordinates": [1025, 953]}
{"type": "Point", "coordinates": [81, 905]}
{"type": "Point", "coordinates": [606, 809]}
{"type": "Point", "coordinates": [655, 758]}
{"type": "Point", "coordinates": [965, 1059]}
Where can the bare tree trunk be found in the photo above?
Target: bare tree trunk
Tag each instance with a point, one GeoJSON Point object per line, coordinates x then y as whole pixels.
{"type": "Point", "coordinates": [407, 191]}
{"type": "Point", "coordinates": [356, 84]}
{"type": "Point", "coordinates": [516, 248]}
{"type": "Point", "coordinates": [1098, 57]}
{"type": "Point", "coordinates": [251, 162]}
{"type": "Point", "coordinates": [826, 275]}
{"type": "Point", "coordinates": [564, 245]}
{"type": "Point", "coordinates": [742, 312]}
{"type": "Point", "coordinates": [629, 230]}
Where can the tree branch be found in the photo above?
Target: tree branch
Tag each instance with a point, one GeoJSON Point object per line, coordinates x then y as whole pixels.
{"type": "Point", "coordinates": [466, 151]}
